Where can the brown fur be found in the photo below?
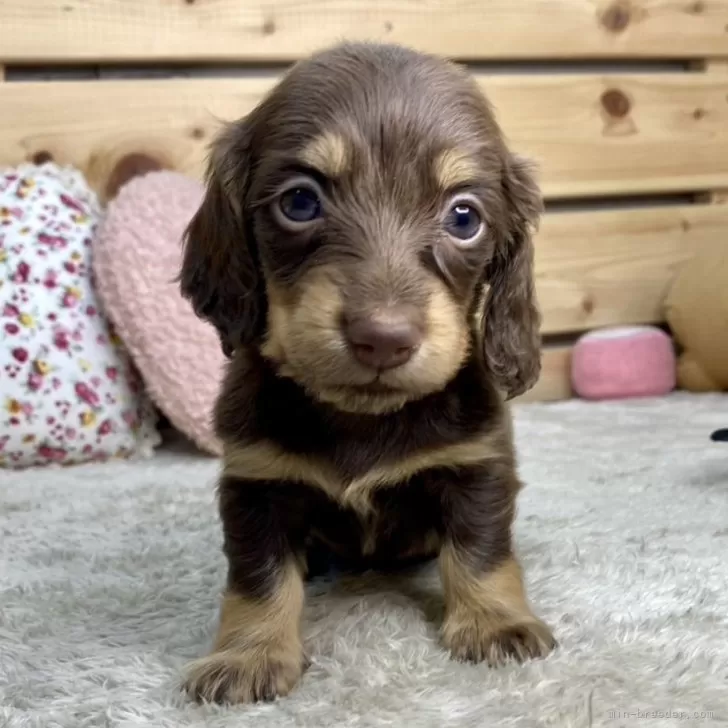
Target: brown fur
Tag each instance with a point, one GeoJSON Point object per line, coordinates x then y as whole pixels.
{"type": "Point", "coordinates": [323, 454]}
{"type": "Point", "coordinates": [378, 232]}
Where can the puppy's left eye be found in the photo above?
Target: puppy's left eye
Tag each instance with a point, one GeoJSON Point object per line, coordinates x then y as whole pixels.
{"type": "Point", "coordinates": [300, 204]}
{"type": "Point", "coordinates": [464, 222]}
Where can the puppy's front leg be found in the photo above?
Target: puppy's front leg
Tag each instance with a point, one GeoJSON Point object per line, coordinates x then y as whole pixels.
{"type": "Point", "coordinates": [487, 616]}
{"type": "Point", "coordinates": [258, 653]}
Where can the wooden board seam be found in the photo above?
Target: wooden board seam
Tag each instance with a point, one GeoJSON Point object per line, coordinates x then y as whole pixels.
{"type": "Point", "coordinates": [265, 30]}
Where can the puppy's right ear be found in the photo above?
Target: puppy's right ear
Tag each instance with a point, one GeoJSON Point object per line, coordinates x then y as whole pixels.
{"type": "Point", "coordinates": [220, 273]}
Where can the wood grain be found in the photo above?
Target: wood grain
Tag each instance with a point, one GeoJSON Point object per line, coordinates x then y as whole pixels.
{"type": "Point", "coordinates": [283, 30]}
{"type": "Point", "coordinates": [554, 384]}
{"type": "Point", "coordinates": [590, 134]}
{"type": "Point", "coordinates": [717, 68]}
{"type": "Point", "coordinates": [600, 268]}
{"type": "Point", "coordinates": [593, 268]}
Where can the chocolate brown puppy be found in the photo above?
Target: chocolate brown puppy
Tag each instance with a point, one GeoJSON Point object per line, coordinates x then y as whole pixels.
{"type": "Point", "coordinates": [364, 251]}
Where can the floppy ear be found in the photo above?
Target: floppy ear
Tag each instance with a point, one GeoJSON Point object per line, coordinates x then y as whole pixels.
{"type": "Point", "coordinates": [512, 341]}
{"type": "Point", "coordinates": [219, 273]}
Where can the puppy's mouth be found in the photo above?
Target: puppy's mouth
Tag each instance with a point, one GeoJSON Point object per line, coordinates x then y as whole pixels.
{"type": "Point", "coordinates": [374, 388]}
{"type": "Point", "coordinates": [374, 397]}
{"type": "Point", "coordinates": [371, 387]}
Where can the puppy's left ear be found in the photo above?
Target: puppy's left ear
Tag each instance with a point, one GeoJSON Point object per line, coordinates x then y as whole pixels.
{"type": "Point", "coordinates": [512, 340]}
{"type": "Point", "coordinates": [220, 273]}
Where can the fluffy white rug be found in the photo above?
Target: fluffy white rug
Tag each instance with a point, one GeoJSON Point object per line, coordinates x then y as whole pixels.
{"type": "Point", "coordinates": [110, 576]}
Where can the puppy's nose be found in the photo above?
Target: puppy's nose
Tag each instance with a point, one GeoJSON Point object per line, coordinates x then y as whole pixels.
{"type": "Point", "coordinates": [383, 342]}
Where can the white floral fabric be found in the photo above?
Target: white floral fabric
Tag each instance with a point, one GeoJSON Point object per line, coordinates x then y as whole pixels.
{"type": "Point", "coordinates": [69, 392]}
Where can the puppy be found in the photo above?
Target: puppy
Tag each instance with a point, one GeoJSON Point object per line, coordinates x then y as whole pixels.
{"type": "Point", "coordinates": [364, 251]}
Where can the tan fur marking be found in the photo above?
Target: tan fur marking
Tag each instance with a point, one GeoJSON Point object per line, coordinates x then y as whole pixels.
{"type": "Point", "coordinates": [471, 452]}
{"type": "Point", "coordinates": [328, 153]}
{"type": "Point", "coordinates": [498, 591]}
{"type": "Point", "coordinates": [487, 615]}
{"type": "Point", "coordinates": [303, 335]}
{"type": "Point", "coordinates": [354, 403]}
{"type": "Point", "coordinates": [304, 318]}
{"type": "Point", "coordinates": [446, 332]}
{"type": "Point", "coordinates": [258, 652]}
{"type": "Point", "coordinates": [309, 320]}
{"type": "Point", "coordinates": [266, 461]}
{"type": "Point", "coordinates": [454, 167]}
{"type": "Point", "coordinates": [443, 351]}
{"type": "Point", "coordinates": [245, 622]}
{"type": "Point", "coordinates": [278, 317]}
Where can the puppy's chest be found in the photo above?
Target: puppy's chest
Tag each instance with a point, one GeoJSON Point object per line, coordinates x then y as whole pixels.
{"type": "Point", "coordinates": [378, 500]}
{"type": "Point", "coordinates": [371, 473]}
{"type": "Point", "coordinates": [382, 476]}
{"type": "Point", "coordinates": [365, 481]}
{"type": "Point", "coordinates": [403, 520]}
{"type": "Point", "coordinates": [360, 496]}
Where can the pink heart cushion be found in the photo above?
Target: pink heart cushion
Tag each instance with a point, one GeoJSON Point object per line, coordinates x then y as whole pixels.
{"type": "Point", "coordinates": [69, 392]}
{"type": "Point", "coordinates": [137, 254]}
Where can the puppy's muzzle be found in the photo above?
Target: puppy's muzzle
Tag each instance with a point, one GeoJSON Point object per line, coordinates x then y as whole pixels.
{"type": "Point", "coordinates": [385, 340]}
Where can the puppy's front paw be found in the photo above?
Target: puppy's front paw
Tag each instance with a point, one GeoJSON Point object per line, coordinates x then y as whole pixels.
{"type": "Point", "coordinates": [247, 676]}
{"type": "Point", "coordinates": [483, 637]}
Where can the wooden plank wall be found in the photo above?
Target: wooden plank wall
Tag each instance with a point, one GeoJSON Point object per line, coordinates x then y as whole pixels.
{"type": "Point", "coordinates": [69, 31]}
{"type": "Point", "coordinates": [622, 103]}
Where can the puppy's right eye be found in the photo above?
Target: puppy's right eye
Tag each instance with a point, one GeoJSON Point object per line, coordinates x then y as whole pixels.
{"type": "Point", "coordinates": [300, 204]}
{"type": "Point", "coordinates": [463, 222]}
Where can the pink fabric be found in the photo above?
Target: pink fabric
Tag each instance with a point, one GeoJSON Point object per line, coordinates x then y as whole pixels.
{"type": "Point", "coordinates": [137, 255]}
{"type": "Point", "coordinates": [623, 362]}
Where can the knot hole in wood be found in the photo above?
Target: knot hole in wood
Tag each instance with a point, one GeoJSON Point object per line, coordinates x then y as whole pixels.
{"type": "Point", "coordinates": [617, 16]}
{"type": "Point", "coordinates": [616, 103]}
{"type": "Point", "coordinates": [128, 167]}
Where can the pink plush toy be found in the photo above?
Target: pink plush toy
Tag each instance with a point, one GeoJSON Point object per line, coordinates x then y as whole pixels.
{"type": "Point", "coordinates": [623, 361]}
{"type": "Point", "coordinates": [137, 254]}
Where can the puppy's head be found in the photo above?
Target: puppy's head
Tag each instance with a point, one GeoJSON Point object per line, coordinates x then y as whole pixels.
{"type": "Point", "coordinates": [364, 226]}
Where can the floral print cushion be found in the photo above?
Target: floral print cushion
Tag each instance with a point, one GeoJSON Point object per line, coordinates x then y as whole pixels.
{"type": "Point", "coordinates": [68, 390]}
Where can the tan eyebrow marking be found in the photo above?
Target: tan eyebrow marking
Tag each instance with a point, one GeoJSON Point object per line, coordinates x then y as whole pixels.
{"type": "Point", "coordinates": [454, 167]}
{"type": "Point", "coordinates": [329, 153]}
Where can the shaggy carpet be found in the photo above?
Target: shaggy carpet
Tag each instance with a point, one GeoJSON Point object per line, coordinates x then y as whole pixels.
{"type": "Point", "coordinates": [110, 576]}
